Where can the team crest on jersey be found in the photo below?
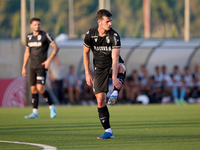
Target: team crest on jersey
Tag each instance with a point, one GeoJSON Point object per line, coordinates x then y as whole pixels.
{"type": "Point", "coordinates": [115, 34]}
{"type": "Point", "coordinates": [39, 37]}
{"type": "Point", "coordinates": [95, 40]}
{"type": "Point", "coordinates": [107, 40]}
{"type": "Point", "coordinates": [29, 37]}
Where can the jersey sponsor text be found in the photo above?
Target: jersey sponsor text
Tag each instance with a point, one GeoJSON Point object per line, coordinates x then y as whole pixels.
{"type": "Point", "coordinates": [35, 44]}
{"type": "Point", "coordinates": [102, 48]}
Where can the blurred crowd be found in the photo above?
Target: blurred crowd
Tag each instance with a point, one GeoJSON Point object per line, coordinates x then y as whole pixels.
{"type": "Point", "coordinates": [179, 86]}
{"type": "Point", "coordinates": [162, 87]}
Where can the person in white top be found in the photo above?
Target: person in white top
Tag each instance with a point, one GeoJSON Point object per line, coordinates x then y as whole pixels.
{"type": "Point", "coordinates": [57, 78]}
{"type": "Point", "coordinates": [188, 82]}
{"type": "Point", "coordinates": [177, 86]}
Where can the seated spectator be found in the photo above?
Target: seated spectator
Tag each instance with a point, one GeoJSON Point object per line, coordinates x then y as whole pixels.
{"type": "Point", "coordinates": [167, 85]}
{"type": "Point", "coordinates": [87, 92]}
{"type": "Point", "coordinates": [145, 82]}
{"type": "Point", "coordinates": [157, 78]}
{"type": "Point", "coordinates": [196, 78]}
{"type": "Point", "coordinates": [167, 81]}
{"type": "Point", "coordinates": [177, 86]}
{"type": "Point", "coordinates": [188, 82]}
{"type": "Point", "coordinates": [73, 86]}
{"type": "Point", "coordinates": [132, 87]}
{"type": "Point", "coordinates": [56, 76]}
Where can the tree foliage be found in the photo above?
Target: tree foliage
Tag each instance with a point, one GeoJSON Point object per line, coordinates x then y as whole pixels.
{"type": "Point", "coordinates": [167, 17]}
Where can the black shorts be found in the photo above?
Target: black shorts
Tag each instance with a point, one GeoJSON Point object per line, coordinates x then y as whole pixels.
{"type": "Point", "coordinates": [101, 80]}
{"type": "Point", "coordinates": [38, 76]}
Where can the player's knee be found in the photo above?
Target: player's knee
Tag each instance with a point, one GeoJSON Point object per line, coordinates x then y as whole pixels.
{"type": "Point", "coordinates": [101, 100]}
{"type": "Point", "coordinates": [34, 89]}
{"type": "Point", "coordinates": [40, 88]}
{"type": "Point", "coordinates": [121, 68]}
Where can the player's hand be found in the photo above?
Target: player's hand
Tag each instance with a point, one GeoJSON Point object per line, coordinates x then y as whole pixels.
{"type": "Point", "coordinates": [46, 64]}
{"type": "Point", "coordinates": [89, 80]}
{"type": "Point", "coordinates": [24, 73]}
{"type": "Point", "coordinates": [117, 83]}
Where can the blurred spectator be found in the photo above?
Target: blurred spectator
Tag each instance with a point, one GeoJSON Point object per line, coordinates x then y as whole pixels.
{"type": "Point", "coordinates": [56, 75]}
{"type": "Point", "coordinates": [87, 92]}
{"type": "Point", "coordinates": [73, 86]}
{"type": "Point", "coordinates": [157, 79]}
{"type": "Point", "coordinates": [178, 86]}
{"type": "Point", "coordinates": [196, 76]}
{"type": "Point", "coordinates": [132, 87]}
{"type": "Point", "coordinates": [167, 85]}
{"type": "Point", "coordinates": [188, 82]}
{"type": "Point", "coordinates": [145, 82]}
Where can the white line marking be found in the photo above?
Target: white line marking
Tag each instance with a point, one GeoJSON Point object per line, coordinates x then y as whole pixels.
{"type": "Point", "coordinates": [46, 147]}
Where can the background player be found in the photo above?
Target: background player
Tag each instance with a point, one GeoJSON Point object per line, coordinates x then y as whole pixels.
{"type": "Point", "coordinates": [105, 44]}
{"type": "Point", "coordinates": [37, 44]}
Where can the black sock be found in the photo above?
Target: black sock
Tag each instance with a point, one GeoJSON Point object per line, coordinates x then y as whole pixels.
{"type": "Point", "coordinates": [121, 77]}
{"type": "Point", "coordinates": [198, 93]}
{"type": "Point", "coordinates": [47, 98]}
{"type": "Point", "coordinates": [104, 117]}
{"type": "Point", "coordinates": [35, 100]}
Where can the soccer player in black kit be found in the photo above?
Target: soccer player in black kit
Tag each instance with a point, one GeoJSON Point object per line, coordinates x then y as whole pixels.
{"type": "Point", "coordinates": [37, 44]}
{"type": "Point", "coordinates": [105, 45]}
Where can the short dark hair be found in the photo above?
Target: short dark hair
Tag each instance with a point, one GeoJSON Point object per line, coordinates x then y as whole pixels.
{"type": "Point", "coordinates": [186, 68]}
{"type": "Point", "coordinates": [176, 67]}
{"type": "Point", "coordinates": [34, 19]}
{"type": "Point", "coordinates": [103, 12]}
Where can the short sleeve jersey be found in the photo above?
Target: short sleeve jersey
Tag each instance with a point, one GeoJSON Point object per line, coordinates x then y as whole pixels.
{"type": "Point", "coordinates": [102, 46]}
{"type": "Point", "coordinates": [38, 46]}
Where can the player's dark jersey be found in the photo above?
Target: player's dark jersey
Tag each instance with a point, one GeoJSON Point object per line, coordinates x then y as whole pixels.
{"type": "Point", "coordinates": [38, 46]}
{"type": "Point", "coordinates": [102, 46]}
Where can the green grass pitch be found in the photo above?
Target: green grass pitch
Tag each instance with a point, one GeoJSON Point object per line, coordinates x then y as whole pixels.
{"type": "Point", "coordinates": [135, 127]}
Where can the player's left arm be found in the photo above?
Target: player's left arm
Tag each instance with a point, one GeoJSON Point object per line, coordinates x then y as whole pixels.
{"type": "Point", "coordinates": [53, 54]}
{"type": "Point", "coordinates": [115, 61]}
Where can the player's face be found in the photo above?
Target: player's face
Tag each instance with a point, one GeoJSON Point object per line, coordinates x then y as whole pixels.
{"type": "Point", "coordinates": [163, 69]}
{"type": "Point", "coordinates": [35, 26]}
{"type": "Point", "coordinates": [105, 23]}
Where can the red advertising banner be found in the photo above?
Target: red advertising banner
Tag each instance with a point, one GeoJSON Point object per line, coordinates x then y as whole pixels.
{"type": "Point", "coordinates": [12, 92]}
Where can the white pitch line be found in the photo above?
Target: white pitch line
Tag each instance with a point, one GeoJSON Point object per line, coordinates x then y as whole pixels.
{"type": "Point", "coordinates": [46, 147]}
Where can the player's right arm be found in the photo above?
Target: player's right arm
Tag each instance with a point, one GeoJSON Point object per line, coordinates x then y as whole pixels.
{"type": "Point", "coordinates": [26, 58]}
{"type": "Point", "coordinates": [86, 61]}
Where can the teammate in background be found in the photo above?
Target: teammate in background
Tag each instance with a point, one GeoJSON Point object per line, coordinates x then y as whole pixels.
{"type": "Point", "coordinates": [105, 44]}
{"type": "Point", "coordinates": [37, 44]}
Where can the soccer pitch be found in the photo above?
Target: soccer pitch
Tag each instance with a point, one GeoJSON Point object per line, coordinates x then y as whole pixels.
{"type": "Point", "coordinates": [135, 127]}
